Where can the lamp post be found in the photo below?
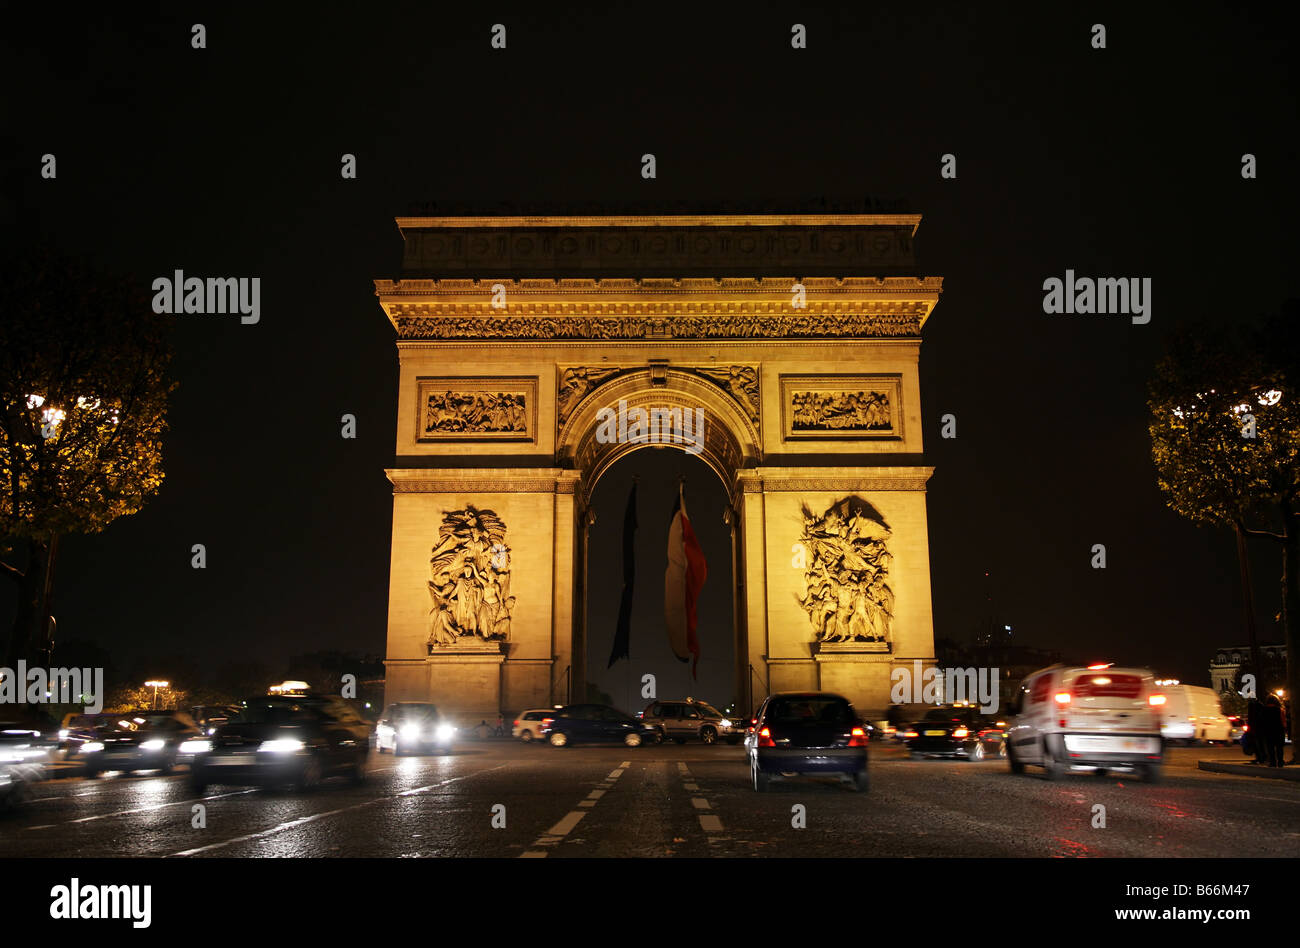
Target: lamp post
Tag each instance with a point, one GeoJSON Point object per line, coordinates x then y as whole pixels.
{"type": "Point", "coordinates": [155, 685]}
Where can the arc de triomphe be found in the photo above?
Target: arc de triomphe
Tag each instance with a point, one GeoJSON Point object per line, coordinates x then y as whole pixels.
{"type": "Point", "coordinates": [796, 335]}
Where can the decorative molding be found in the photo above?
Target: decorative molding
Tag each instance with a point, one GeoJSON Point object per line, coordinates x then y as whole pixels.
{"type": "Point", "coordinates": [455, 408]}
{"type": "Point", "coordinates": [666, 220]}
{"type": "Point", "coordinates": [823, 407]}
{"type": "Point", "coordinates": [739, 382]}
{"type": "Point", "coordinates": [463, 481]}
{"type": "Point", "coordinates": [781, 480]}
{"type": "Point", "coordinates": [469, 584]}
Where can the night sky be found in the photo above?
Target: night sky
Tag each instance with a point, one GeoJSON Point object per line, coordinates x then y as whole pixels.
{"type": "Point", "coordinates": [1121, 162]}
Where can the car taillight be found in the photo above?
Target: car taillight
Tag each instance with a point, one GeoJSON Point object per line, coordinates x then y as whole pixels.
{"type": "Point", "coordinates": [516, 722]}
{"type": "Point", "coordinates": [547, 722]}
{"type": "Point", "coordinates": [910, 734]}
{"type": "Point", "coordinates": [960, 732]}
{"type": "Point", "coordinates": [857, 737]}
{"type": "Point", "coordinates": [1062, 697]}
{"type": "Point", "coordinates": [765, 738]}
{"type": "Point", "coordinates": [1156, 700]}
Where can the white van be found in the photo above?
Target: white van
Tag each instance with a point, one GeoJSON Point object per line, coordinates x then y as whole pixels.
{"type": "Point", "coordinates": [1098, 718]}
{"type": "Point", "coordinates": [1192, 713]}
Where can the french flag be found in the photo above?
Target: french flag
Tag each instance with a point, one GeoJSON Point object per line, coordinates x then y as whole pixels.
{"type": "Point", "coordinates": [682, 583]}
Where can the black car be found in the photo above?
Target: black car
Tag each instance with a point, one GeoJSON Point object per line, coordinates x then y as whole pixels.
{"type": "Point", "coordinates": [582, 723]}
{"type": "Point", "coordinates": [957, 731]}
{"type": "Point", "coordinates": [807, 733]}
{"type": "Point", "coordinates": [150, 740]}
{"type": "Point", "coordinates": [281, 739]}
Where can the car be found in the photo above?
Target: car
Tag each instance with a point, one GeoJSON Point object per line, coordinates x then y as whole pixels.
{"type": "Point", "coordinates": [956, 731]}
{"type": "Point", "coordinates": [150, 740]}
{"type": "Point", "coordinates": [413, 727]}
{"type": "Point", "coordinates": [283, 739]}
{"type": "Point", "coordinates": [1098, 718]}
{"type": "Point", "coordinates": [528, 726]}
{"type": "Point", "coordinates": [27, 742]}
{"type": "Point", "coordinates": [211, 716]}
{"type": "Point", "coordinates": [1192, 713]}
{"type": "Point", "coordinates": [584, 723]}
{"type": "Point", "coordinates": [807, 733]}
{"type": "Point", "coordinates": [78, 729]}
{"type": "Point", "coordinates": [691, 720]}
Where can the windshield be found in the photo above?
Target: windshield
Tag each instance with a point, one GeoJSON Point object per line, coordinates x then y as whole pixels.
{"type": "Point", "coordinates": [277, 711]}
{"type": "Point", "coordinates": [415, 712]}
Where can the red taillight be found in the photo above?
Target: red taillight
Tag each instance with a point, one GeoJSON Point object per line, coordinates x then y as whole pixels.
{"type": "Point", "coordinates": [547, 722]}
{"type": "Point", "coordinates": [765, 738]}
{"type": "Point", "coordinates": [1062, 697]}
{"type": "Point", "coordinates": [516, 722]}
{"type": "Point", "coordinates": [910, 734]}
{"type": "Point", "coordinates": [960, 732]}
{"type": "Point", "coordinates": [857, 737]}
{"type": "Point", "coordinates": [1156, 700]}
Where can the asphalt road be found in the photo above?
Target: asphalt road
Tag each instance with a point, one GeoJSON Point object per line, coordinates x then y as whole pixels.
{"type": "Point", "coordinates": [667, 800]}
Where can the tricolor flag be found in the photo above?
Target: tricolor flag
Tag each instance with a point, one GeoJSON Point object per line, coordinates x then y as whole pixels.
{"type": "Point", "coordinates": [623, 633]}
{"type": "Point", "coordinates": [682, 583]}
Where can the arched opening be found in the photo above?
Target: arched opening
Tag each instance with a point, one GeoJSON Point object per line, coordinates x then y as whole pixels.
{"type": "Point", "coordinates": [657, 473]}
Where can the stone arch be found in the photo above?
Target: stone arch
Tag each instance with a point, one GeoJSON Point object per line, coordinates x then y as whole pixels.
{"type": "Point", "coordinates": [730, 442]}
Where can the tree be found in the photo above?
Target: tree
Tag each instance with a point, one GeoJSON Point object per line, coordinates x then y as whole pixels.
{"type": "Point", "coordinates": [1225, 439]}
{"type": "Point", "coordinates": [83, 404]}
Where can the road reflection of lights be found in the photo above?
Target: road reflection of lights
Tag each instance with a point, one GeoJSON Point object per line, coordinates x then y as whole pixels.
{"type": "Point", "coordinates": [148, 788]}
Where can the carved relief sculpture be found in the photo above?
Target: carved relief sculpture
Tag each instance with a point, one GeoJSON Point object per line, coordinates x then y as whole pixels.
{"type": "Point", "coordinates": [840, 411]}
{"type": "Point", "coordinates": [469, 580]}
{"type": "Point", "coordinates": [846, 571]}
{"type": "Point", "coordinates": [740, 381]}
{"type": "Point", "coordinates": [474, 412]}
{"type": "Point", "coordinates": [575, 383]}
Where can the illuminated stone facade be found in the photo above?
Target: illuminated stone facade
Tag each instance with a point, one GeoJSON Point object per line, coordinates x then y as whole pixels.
{"type": "Point", "coordinates": [797, 336]}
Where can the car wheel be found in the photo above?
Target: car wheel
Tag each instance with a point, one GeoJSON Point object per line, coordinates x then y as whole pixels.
{"type": "Point", "coordinates": [559, 739]}
{"type": "Point", "coordinates": [168, 768]}
{"type": "Point", "coordinates": [977, 753]}
{"type": "Point", "coordinates": [1052, 768]}
{"type": "Point", "coordinates": [708, 735]}
{"type": "Point", "coordinates": [310, 776]}
{"type": "Point", "coordinates": [526, 736]}
{"type": "Point", "coordinates": [659, 736]}
{"type": "Point", "coordinates": [1151, 773]}
{"type": "Point", "coordinates": [762, 781]}
{"type": "Point", "coordinates": [632, 740]}
{"type": "Point", "coordinates": [1012, 760]}
{"type": "Point", "coordinates": [860, 781]}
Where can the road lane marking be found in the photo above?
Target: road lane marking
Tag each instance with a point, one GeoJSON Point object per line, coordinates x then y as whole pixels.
{"type": "Point", "coordinates": [304, 820]}
{"type": "Point", "coordinates": [710, 823]}
{"type": "Point", "coordinates": [700, 803]}
{"type": "Point", "coordinates": [694, 788]}
{"type": "Point", "coordinates": [141, 809]}
{"type": "Point", "coordinates": [555, 835]}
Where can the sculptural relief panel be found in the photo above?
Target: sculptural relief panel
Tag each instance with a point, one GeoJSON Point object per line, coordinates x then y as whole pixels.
{"type": "Point", "coordinates": [476, 409]}
{"type": "Point", "coordinates": [841, 406]}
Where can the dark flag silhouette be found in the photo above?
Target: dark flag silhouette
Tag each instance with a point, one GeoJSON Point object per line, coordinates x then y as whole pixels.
{"type": "Point", "coordinates": [623, 635]}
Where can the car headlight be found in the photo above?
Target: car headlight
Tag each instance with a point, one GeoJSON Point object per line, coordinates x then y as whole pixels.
{"type": "Point", "coordinates": [284, 745]}
{"type": "Point", "coordinates": [446, 732]}
{"type": "Point", "coordinates": [155, 745]}
{"type": "Point", "coordinates": [195, 747]}
{"type": "Point", "coordinates": [725, 723]}
{"type": "Point", "coordinates": [91, 747]}
{"type": "Point", "coordinates": [63, 734]}
{"type": "Point", "coordinates": [411, 732]}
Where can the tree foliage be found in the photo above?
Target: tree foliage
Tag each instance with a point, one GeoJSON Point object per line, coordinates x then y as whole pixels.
{"type": "Point", "coordinates": [83, 398]}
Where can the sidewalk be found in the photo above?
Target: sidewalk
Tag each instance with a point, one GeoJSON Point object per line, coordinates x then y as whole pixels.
{"type": "Point", "coordinates": [1249, 770]}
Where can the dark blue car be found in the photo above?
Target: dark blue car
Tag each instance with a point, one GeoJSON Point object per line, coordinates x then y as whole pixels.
{"type": "Point", "coordinates": [807, 733]}
{"type": "Point", "coordinates": [584, 723]}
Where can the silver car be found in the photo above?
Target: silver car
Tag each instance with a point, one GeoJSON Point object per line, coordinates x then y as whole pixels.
{"type": "Point", "coordinates": [691, 720]}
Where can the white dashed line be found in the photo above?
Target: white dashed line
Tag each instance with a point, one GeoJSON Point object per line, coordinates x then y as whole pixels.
{"type": "Point", "coordinates": [555, 835]}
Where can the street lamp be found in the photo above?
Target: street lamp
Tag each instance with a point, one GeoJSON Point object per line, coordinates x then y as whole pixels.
{"type": "Point", "coordinates": [155, 685]}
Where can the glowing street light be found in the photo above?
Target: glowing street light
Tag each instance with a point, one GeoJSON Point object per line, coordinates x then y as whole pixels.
{"type": "Point", "coordinates": [155, 685]}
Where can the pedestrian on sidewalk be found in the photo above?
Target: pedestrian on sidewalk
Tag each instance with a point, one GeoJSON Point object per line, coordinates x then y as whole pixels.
{"type": "Point", "coordinates": [1274, 732]}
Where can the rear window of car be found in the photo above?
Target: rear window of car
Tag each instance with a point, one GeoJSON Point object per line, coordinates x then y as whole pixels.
{"type": "Point", "coordinates": [946, 714]}
{"type": "Point", "coordinates": [811, 710]}
{"type": "Point", "coordinates": [1107, 686]}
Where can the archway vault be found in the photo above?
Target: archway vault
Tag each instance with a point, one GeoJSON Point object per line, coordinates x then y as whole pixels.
{"type": "Point", "coordinates": [728, 441]}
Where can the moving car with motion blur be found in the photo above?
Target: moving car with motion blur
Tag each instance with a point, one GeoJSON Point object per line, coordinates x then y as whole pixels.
{"type": "Point", "coordinates": [283, 739]}
{"type": "Point", "coordinates": [692, 720]}
{"type": "Point", "coordinates": [528, 726]}
{"type": "Point", "coordinates": [28, 739]}
{"type": "Point", "coordinates": [78, 729]}
{"type": "Point", "coordinates": [592, 723]}
{"type": "Point", "coordinates": [411, 727]}
{"type": "Point", "coordinates": [150, 740]}
{"type": "Point", "coordinates": [956, 731]}
{"type": "Point", "coordinates": [807, 733]}
{"type": "Point", "coordinates": [1192, 713]}
{"type": "Point", "coordinates": [1097, 719]}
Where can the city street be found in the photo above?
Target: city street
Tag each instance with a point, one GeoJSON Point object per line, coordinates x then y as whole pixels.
{"type": "Point", "coordinates": [666, 800]}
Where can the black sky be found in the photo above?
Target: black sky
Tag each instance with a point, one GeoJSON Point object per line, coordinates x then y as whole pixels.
{"type": "Point", "coordinates": [225, 161]}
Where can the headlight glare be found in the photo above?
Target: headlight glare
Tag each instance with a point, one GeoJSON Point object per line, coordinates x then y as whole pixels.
{"type": "Point", "coordinates": [284, 745]}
